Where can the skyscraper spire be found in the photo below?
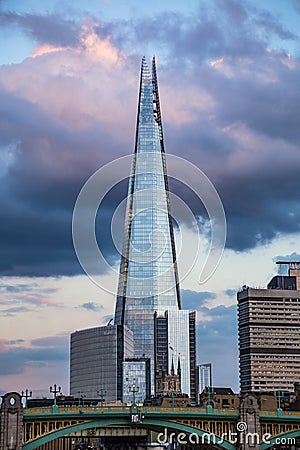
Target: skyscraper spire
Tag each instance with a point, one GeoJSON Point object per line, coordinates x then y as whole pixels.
{"type": "Point", "coordinates": [148, 281]}
{"type": "Point", "coordinates": [148, 246]}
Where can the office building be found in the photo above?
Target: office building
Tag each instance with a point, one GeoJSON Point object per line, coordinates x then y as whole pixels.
{"type": "Point", "coordinates": [148, 280]}
{"type": "Point", "coordinates": [136, 380]}
{"type": "Point", "coordinates": [269, 333]}
{"type": "Point", "coordinates": [96, 359]}
{"type": "Point", "coordinates": [174, 340]}
{"type": "Point", "coordinates": [204, 372]}
{"type": "Point", "coordinates": [193, 357]}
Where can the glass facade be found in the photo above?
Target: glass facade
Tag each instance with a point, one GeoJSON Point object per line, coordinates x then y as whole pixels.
{"type": "Point", "coordinates": [193, 368]}
{"type": "Point", "coordinates": [174, 333]}
{"type": "Point", "coordinates": [136, 377]}
{"type": "Point", "coordinates": [205, 377]}
{"type": "Point", "coordinates": [178, 327]}
{"type": "Point", "coordinates": [148, 273]}
{"type": "Point", "coordinates": [96, 358]}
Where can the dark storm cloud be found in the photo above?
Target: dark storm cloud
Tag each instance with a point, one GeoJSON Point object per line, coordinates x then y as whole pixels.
{"type": "Point", "coordinates": [14, 360]}
{"type": "Point", "coordinates": [48, 165]}
{"type": "Point", "coordinates": [246, 138]}
{"type": "Point", "coordinates": [257, 93]}
{"type": "Point", "coordinates": [250, 147]}
{"type": "Point", "coordinates": [50, 29]}
{"type": "Point", "coordinates": [217, 28]}
{"type": "Point", "coordinates": [262, 97]}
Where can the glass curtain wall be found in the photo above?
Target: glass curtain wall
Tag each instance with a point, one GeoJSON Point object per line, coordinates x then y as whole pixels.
{"type": "Point", "coordinates": [148, 279]}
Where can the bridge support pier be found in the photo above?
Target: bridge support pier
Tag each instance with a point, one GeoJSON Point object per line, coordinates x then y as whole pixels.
{"type": "Point", "coordinates": [248, 425]}
{"type": "Point", "coordinates": [11, 422]}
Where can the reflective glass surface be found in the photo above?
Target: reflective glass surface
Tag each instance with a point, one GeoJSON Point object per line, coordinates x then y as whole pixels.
{"type": "Point", "coordinates": [136, 381]}
{"type": "Point", "coordinates": [179, 343]}
{"type": "Point", "coordinates": [148, 276]}
{"type": "Point", "coordinates": [96, 356]}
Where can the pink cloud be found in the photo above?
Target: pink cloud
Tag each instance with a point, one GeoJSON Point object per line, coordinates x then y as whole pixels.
{"type": "Point", "coordinates": [78, 85]}
{"type": "Point", "coordinates": [17, 299]}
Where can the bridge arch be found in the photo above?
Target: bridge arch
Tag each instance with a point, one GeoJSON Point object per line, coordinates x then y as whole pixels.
{"type": "Point", "coordinates": [186, 431]}
{"type": "Point", "coordinates": [279, 439]}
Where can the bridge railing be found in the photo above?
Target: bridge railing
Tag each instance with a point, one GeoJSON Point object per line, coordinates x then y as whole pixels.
{"type": "Point", "coordinates": [180, 411]}
{"type": "Point", "coordinates": [280, 412]}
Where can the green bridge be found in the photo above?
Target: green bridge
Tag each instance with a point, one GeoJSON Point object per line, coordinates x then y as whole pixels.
{"type": "Point", "coordinates": [243, 428]}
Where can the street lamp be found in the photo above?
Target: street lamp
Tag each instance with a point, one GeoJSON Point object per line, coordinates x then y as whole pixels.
{"type": "Point", "coordinates": [101, 393]}
{"type": "Point", "coordinates": [279, 396]}
{"type": "Point", "coordinates": [55, 390]}
{"type": "Point", "coordinates": [81, 401]}
{"type": "Point", "coordinates": [210, 391]}
{"type": "Point", "coordinates": [26, 395]}
{"type": "Point", "coordinates": [134, 389]}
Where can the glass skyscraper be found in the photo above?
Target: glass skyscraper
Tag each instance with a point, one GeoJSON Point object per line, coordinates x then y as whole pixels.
{"type": "Point", "coordinates": [148, 281]}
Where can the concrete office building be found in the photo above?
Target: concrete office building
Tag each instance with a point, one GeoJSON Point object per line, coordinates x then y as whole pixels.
{"type": "Point", "coordinates": [269, 333]}
{"type": "Point", "coordinates": [96, 361]}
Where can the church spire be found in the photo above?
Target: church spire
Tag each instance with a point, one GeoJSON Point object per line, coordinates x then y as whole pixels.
{"type": "Point", "coordinates": [179, 367]}
{"type": "Point", "coordinates": [172, 367]}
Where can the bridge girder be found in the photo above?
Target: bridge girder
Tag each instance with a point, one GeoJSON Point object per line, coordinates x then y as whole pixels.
{"type": "Point", "coordinates": [186, 432]}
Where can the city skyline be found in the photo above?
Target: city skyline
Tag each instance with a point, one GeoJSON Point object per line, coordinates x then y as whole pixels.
{"type": "Point", "coordinates": [68, 92]}
{"type": "Point", "coordinates": [148, 294]}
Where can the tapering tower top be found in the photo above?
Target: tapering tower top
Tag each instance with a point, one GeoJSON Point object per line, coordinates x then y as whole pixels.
{"type": "Point", "coordinates": [148, 280]}
{"type": "Point", "coordinates": [156, 103]}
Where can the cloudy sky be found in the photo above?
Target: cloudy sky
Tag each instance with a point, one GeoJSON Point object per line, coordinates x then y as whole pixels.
{"type": "Point", "coordinates": [229, 75]}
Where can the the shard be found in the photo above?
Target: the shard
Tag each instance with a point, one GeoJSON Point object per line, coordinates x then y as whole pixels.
{"type": "Point", "coordinates": [148, 281]}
